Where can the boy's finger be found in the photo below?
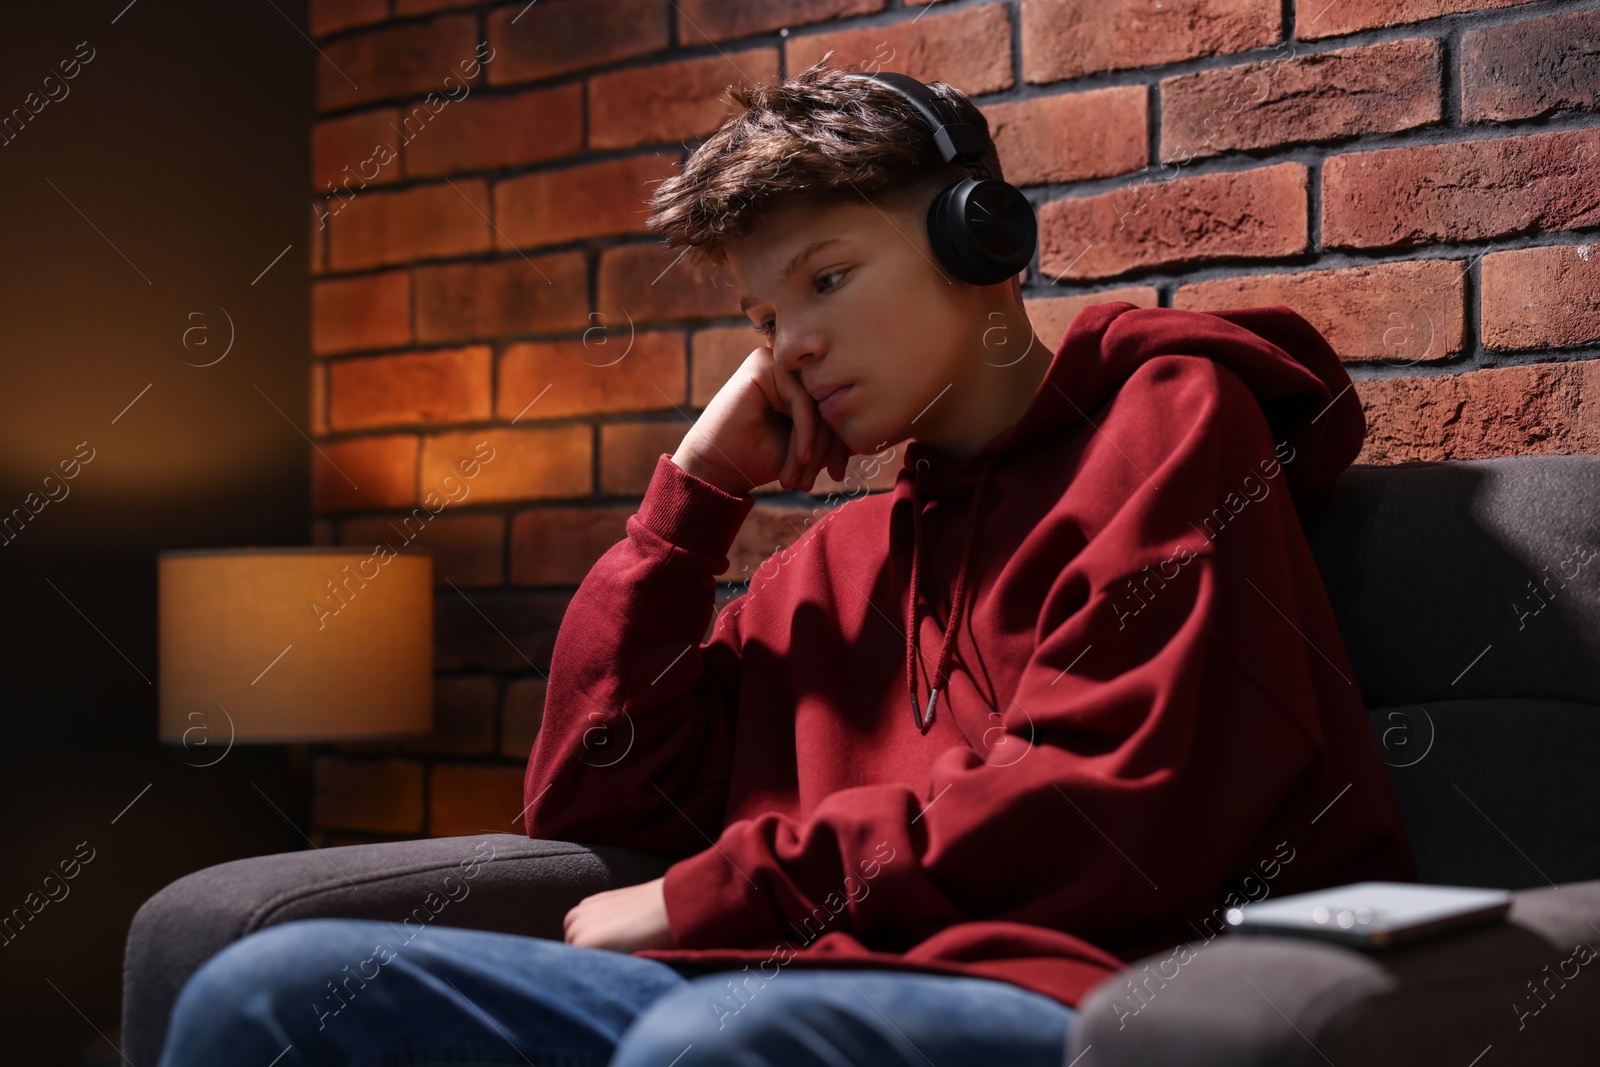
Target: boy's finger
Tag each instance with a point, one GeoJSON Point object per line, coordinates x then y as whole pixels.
{"type": "Point", "coordinates": [817, 449]}
{"type": "Point", "coordinates": [791, 472]}
{"type": "Point", "coordinates": [803, 411]}
{"type": "Point", "coordinates": [838, 459]}
{"type": "Point", "coordinates": [814, 468]}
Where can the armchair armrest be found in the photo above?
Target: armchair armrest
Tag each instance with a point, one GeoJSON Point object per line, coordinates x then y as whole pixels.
{"type": "Point", "coordinates": [1522, 988]}
{"type": "Point", "coordinates": [502, 882]}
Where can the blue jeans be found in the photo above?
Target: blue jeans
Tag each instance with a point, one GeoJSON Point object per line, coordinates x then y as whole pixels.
{"type": "Point", "coordinates": [365, 993]}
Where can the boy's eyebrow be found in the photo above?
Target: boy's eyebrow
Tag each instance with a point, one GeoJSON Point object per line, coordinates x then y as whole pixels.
{"type": "Point", "coordinates": [792, 266]}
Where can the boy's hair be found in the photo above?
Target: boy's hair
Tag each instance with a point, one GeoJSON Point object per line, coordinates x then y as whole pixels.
{"type": "Point", "coordinates": [821, 136]}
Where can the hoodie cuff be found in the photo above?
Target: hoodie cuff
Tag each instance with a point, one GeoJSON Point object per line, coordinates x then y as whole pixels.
{"type": "Point", "coordinates": [690, 512]}
{"type": "Point", "coordinates": [710, 904]}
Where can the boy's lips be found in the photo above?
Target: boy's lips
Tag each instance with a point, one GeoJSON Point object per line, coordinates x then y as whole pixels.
{"type": "Point", "coordinates": [821, 392]}
{"type": "Point", "coordinates": [832, 401]}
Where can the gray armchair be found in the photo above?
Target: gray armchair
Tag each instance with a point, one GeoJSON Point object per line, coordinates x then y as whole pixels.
{"type": "Point", "coordinates": [1484, 701]}
{"type": "Point", "coordinates": [1486, 707]}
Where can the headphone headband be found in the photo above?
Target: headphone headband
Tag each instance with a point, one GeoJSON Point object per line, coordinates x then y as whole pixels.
{"type": "Point", "coordinates": [958, 142]}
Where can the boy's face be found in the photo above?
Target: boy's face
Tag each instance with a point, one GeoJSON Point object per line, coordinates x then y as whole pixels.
{"type": "Point", "coordinates": [872, 309]}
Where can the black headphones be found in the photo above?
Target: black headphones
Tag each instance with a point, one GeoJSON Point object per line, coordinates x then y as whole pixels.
{"type": "Point", "coordinates": [982, 229]}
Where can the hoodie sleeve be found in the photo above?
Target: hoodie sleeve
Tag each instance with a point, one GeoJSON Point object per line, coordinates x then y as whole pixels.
{"type": "Point", "coordinates": [637, 710]}
{"type": "Point", "coordinates": [1136, 766]}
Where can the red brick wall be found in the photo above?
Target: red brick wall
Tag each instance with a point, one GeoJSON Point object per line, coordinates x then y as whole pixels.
{"type": "Point", "coordinates": [1419, 178]}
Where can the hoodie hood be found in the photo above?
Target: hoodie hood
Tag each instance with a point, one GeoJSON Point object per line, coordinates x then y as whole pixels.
{"type": "Point", "coordinates": [1299, 380]}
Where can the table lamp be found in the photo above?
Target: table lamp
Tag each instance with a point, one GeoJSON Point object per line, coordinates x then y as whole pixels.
{"type": "Point", "coordinates": [291, 646]}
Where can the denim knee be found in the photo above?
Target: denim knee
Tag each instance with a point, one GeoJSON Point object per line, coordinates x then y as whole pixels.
{"type": "Point", "coordinates": [857, 1017]}
{"type": "Point", "coordinates": [260, 979]}
{"type": "Point", "coordinates": [685, 1019]}
{"type": "Point", "coordinates": [727, 1017]}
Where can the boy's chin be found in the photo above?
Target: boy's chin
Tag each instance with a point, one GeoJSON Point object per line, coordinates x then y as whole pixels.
{"type": "Point", "coordinates": [869, 432]}
{"type": "Point", "coordinates": [862, 437]}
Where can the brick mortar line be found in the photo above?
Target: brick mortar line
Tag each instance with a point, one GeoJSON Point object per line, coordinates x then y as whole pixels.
{"type": "Point", "coordinates": [1319, 260]}
{"type": "Point", "coordinates": [1471, 362]}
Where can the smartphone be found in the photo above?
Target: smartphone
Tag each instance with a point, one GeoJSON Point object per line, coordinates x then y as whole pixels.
{"type": "Point", "coordinates": [1371, 914]}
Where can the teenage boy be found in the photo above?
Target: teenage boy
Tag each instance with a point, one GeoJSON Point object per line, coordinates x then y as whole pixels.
{"type": "Point", "coordinates": [1059, 700]}
{"type": "Point", "coordinates": [1090, 575]}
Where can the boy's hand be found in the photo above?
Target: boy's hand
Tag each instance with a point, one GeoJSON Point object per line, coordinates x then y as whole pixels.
{"type": "Point", "coordinates": [761, 425]}
{"type": "Point", "coordinates": [622, 920]}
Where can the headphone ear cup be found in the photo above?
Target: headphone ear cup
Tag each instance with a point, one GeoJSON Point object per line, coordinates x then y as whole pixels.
{"type": "Point", "coordinates": [983, 230]}
{"type": "Point", "coordinates": [940, 213]}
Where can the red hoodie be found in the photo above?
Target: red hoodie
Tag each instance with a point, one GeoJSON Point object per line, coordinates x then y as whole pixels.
{"type": "Point", "coordinates": [1145, 712]}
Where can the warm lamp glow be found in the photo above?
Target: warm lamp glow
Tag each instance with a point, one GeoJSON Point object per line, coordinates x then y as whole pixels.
{"type": "Point", "coordinates": [282, 645]}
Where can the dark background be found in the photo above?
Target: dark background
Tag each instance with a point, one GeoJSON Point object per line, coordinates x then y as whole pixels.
{"type": "Point", "coordinates": [170, 176]}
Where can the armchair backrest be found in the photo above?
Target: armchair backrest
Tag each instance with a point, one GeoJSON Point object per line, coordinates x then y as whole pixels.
{"type": "Point", "coordinates": [1468, 596]}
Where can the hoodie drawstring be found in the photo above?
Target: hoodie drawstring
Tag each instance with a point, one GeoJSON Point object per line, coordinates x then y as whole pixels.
{"type": "Point", "coordinates": [947, 646]}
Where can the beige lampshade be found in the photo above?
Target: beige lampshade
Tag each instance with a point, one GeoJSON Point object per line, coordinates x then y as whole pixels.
{"type": "Point", "coordinates": [281, 645]}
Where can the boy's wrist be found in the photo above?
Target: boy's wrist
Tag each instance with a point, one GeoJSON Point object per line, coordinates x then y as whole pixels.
{"type": "Point", "coordinates": [690, 463]}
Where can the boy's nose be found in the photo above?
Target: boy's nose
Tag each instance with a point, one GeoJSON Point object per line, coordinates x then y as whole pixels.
{"type": "Point", "coordinates": [794, 352]}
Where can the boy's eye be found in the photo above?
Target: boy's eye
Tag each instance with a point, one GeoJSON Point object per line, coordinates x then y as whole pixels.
{"type": "Point", "coordinates": [829, 274]}
{"type": "Point", "coordinates": [765, 328]}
